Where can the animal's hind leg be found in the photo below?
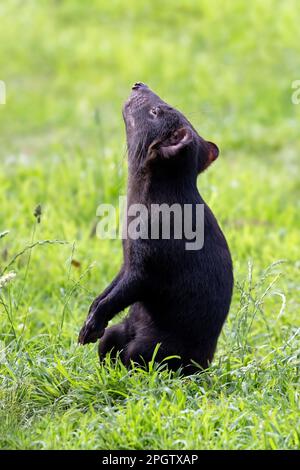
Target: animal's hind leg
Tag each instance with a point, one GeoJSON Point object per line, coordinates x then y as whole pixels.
{"type": "Point", "coordinates": [114, 340]}
{"type": "Point", "coordinates": [140, 351]}
{"type": "Point", "coordinates": [171, 351]}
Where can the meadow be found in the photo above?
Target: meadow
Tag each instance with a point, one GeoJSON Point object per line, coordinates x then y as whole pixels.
{"type": "Point", "coordinates": [68, 66]}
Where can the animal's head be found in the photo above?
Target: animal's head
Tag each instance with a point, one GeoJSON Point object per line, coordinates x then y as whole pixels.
{"type": "Point", "coordinates": [160, 136]}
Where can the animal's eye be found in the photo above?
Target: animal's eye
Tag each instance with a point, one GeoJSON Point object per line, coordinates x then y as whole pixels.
{"type": "Point", "coordinates": [154, 111]}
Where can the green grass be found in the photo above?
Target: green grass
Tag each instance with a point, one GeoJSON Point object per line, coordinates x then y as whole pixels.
{"type": "Point", "coordinates": [68, 66]}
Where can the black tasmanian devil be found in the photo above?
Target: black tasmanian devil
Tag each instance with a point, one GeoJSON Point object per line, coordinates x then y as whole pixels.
{"type": "Point", "coordinates": [179, 297]}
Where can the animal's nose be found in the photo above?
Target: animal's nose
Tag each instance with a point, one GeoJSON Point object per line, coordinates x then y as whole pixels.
{"type": "Point", "coordinates": [139, 85]}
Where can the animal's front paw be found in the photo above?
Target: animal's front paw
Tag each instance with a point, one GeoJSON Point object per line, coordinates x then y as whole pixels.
{"type": "Point", "coordinates": [92, 330]}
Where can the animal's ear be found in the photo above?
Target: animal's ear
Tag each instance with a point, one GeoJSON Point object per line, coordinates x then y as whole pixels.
{"type": "Point", "coordinates": [175, 143]}
{"type": "Point", "coordinates": [211, 154]}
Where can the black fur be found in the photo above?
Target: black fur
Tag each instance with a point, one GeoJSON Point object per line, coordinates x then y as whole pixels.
{"type": "Point", "coordinates": [178, 298]}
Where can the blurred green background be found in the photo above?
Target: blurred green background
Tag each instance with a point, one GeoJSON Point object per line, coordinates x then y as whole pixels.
{"type": "Point", "coordinates": [68, 66]}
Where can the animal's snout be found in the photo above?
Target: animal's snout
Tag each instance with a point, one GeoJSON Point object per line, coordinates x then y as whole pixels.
{"type": "Point", "coordinates": [139, 85]}
{"type": "Point", "coordinates": [140, 101]}
{"type": "Point", "coordinates": [137, 99]}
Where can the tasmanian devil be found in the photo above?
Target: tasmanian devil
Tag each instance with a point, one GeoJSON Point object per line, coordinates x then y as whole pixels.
{"type": "Point", "coordinates": [179, 297]}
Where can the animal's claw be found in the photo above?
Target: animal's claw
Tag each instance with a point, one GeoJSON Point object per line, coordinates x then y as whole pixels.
{"type": "Point", "coordinates": [91, 331]}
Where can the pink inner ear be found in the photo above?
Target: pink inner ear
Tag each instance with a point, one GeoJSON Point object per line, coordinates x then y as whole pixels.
{"type": "Point", "coordinates": [176, 142]}
{"type": "Point", "coordinates": [213, 151]}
